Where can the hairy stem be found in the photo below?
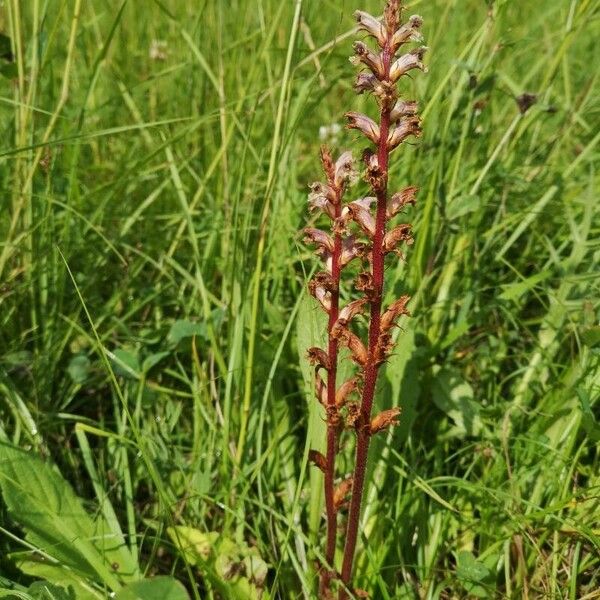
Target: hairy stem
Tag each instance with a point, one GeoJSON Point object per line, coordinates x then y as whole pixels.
{"type": "Point", "coordinates": [363, 434]}
{"type": "Point", "coordinates": [332, 427]}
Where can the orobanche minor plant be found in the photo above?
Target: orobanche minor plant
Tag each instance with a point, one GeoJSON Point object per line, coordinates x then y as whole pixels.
{"type": "Point", "coordinates": [361, 230]}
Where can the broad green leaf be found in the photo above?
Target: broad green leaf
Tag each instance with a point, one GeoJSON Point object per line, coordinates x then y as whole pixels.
{"type": "Point", "coordinates": [79, 368]}
{"type": "Point", "coordinates": [513, 291]}
{"type": "Point", "coordinates": [472, 573]}
{"type": "Point", "coordinates": [59, 575]}
{"type": "Point", "coordinates": [454, 396]}
{"type": "Point", "coordinates": [54, 520]}
{"type": "Point", "coordinates": [157, 588]}
{"type": "Point", "coordinates": [463, 205]}
{"type": "Point", "coordinates": [126, 362]}
{"type": "Point", "coordinates": [153, 360]}
{"type": "Point", "coordinates": [234, 569]}
{"type": "Point", "coordinates": [184, 329]}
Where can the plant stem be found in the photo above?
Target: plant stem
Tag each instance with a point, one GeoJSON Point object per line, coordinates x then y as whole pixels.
{"type": "Point", "coordinates": [363, 435]}
{"type": "Point", "coordinates": [332, 427]}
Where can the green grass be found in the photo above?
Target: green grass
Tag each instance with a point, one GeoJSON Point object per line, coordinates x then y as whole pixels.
{"type": "Point", "coordinates": [141, 193]}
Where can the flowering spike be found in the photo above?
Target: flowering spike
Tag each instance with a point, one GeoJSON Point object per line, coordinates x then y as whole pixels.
{"type": "Point", "coordinates": [370, 242]}
{"type": "Point", "coordinates": [364, 124]}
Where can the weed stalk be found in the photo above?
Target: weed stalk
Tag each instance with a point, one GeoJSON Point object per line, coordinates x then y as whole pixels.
{"type": "Point", "coordinates": [359, 230]}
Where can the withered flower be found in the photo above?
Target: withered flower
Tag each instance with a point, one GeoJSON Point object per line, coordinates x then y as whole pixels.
{"type": "Point", "coordinates": [315, 457]}
{"type": "Point", "coordinates": [341, 492]}
{"type": "Point", "coordinates": [364, 124]}
{"type": "Point", "coordinates": [400, 200]}
{"type": "Point", "coordinates": [374, 27]}
{"type": "Point", "coordinates": [367, 57]}
{"type": "Point", "coordinates": [402, 233]}
{"type": "Point", "coordinates": [406, 128]}
{"type": "Point", "coordinates": [385, 419]}
{"type": "Point", "coordinates": [407, 62]}
{"type": "Point", "coordinates": [319, 358]}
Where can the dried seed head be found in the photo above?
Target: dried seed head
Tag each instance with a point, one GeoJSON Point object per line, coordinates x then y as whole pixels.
{"type": "Point", "coordinates": [319, 358]}
{"type": "Point", "coordinates": [348, 387]}
{"type": "Point", "coordinates": [385, 419]}
{"type": "Point", "coordinates": [406, 128]}
{"type": "Point", "coordinates": [409, 32]}
{"type": "Point", "coordinates": [403, 108]}
{"type": "Point", "coordinates": [401, 199]}
{"type": "Point", "coordinates": [402, 233]}
{"type": "Point", "coordinates": [369, 58]}
{"type": "Point", "coordinates": [374, 27]}
{"type": "Point", "coordinates": [407, 62]}
{"type": "Point", "coordinates": [341, 492]}
{"type": "Point", "coordinates": [364, 124]}
{"type": "Point", "coordinates": [322, 197]}
{"type": "Point", "coordinates": [317, 459]}
{"type": "Point", "coordinates": [397, 308]}
{"type": "Point", "coordinates": [344, 172]}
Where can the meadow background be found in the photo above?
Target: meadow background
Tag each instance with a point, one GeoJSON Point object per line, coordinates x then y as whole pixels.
{"type": "Point", "coordinates": [154, 163]}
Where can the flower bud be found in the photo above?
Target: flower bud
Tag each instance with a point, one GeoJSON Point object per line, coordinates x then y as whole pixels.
{"type": "Point", "coordinates": [364, 124]}
{"type": "Point", "coordinates": [350, 311]}
{"type": "Point", "coordinates": [359, 212]}
{"type": "Point", "coordinates": [351, 249]}
{"type": "Point", "coordinates": [348, 387]}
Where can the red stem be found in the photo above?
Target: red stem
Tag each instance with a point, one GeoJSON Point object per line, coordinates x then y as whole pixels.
{"type": "Point", "coordinates": [363, 436]}
{"type": "Point", "coordinates": [332, 427]}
